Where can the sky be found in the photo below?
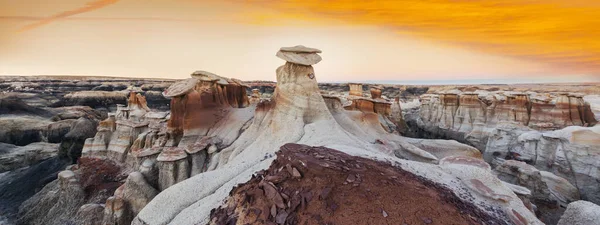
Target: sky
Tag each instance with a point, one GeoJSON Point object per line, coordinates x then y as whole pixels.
{"type": "Point", "coordinates": [396, 41]}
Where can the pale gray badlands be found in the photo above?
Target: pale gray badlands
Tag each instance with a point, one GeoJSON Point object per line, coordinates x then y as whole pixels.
{"type": "Point", "coordinates": [217, 150]}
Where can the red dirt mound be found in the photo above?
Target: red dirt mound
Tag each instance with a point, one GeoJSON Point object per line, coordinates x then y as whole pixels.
{"type": "Point", "coordinates": [317, 185]}
{"type": "Point", "coordinates": [99, 177]}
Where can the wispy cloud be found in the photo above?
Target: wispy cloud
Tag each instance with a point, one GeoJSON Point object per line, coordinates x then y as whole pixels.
{"type": "Point", "coordinates": [90, 6]}
{"type": "Point", "coordinates": [166, 19]}
{"type": "Point", "coordinates": [561, 33]}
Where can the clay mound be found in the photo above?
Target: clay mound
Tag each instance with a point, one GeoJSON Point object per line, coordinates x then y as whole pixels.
{"type": "Point", "coordinates": [318, 185]}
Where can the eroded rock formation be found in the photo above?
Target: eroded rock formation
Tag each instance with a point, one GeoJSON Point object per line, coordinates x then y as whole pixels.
{"type": "Point", "coordinates": [551, 132]}
{"type": "Point", "coordinates": [156, 149]}
{"type": "Point", "coordinates": [320, 185]}
{"type": "Point", "coordinates": [175, 167]}
{"type": "Point", "coordinates": [298, 113]}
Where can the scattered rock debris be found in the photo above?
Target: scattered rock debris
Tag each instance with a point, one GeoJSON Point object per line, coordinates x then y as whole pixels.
{"type": "Point", "coordinates": [305, 185]}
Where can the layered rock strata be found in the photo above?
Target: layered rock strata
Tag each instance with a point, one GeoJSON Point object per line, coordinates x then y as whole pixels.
{"type": "Point", "coordinates": [551, 132]}
{"type": "Point", "coordinates": [160, 149]}
{"type": "Point", "coordinates": [456, 114]}
{"type": "Point", "coordinates": [569, 153]}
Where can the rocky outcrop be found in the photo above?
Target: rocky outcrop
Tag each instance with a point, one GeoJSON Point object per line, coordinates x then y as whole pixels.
{"type": "Point", "coordinates": [533, 128]}
{"type": "Point", "coordinates": [72, 143]}
{"type": "Point", "coordinates": [458, 114]}
{"type": "Point", "coordinates": [33, 129]}
{"type": "Point", "coordinates": [320, 185]}
{"type": "Point", "coordinates": [67, 200]}
{"type": "Point", "coordinates": [356, 89]}
{"type": "Point", "coordinates": [13, 157]}
{"type": "Point", "coordinates": [568, 153]}
{"type": "Point", "coordinates": [56, 203]}
{"type": "Point", "coordinates": [299, 113]}
{"type": "Point", "coordinates": [160, 149]}
{"type": "Point", "coordinates": [20, 184]}
{"type": "Point", "coordinates": [98, 92]}
{"type": "Point", "coordinates": [594, 101]}
{"type": "Point", "coordinates": [22, 130]}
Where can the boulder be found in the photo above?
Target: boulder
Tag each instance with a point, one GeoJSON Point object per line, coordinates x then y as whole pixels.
{"type": "Point", "coordinates": [581, 213]}
{"type": "Point", "coordinates": [173, 167]}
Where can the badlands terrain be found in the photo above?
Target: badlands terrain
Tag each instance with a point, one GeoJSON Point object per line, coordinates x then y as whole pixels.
{"type": "Point", "coordinates": [216, 150]}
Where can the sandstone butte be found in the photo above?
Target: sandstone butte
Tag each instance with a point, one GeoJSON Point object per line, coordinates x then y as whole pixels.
{"type": "Point", "coordinates": [182, 167]}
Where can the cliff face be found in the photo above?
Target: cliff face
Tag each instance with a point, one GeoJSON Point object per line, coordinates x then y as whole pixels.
{"type": "Point", "coordinates": [550, 132]}
{"type": "Point", "coordinates": [467, 116]}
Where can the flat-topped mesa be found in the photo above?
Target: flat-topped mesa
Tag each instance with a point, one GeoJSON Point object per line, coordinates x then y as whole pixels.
{"type": "Point", "coordinates": [204, 90]}
{"type": "Point", "coordinates": [356, 89]}
{"type": "Point", "coordinates": [538, 111]}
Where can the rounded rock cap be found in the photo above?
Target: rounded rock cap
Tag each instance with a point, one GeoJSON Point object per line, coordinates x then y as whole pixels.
{"type": "Point", "coordinates": [208, 76]}
{"type": "Point", "coordinates": [181, 87]}
{"type": "Point", "coordinates": [300, 55]}
{"type": "Point", "coordinates": [300, 49]}
{"type": "Point", "coordinates": [171, 154]}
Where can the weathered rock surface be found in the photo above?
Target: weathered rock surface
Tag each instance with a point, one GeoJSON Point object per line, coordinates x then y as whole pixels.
{"type": "Point", "coordinates": [580, 213]}
{"type": "Point", "coordinates": [65, 196]}
{"type": "Point", "coordinates": [175, 167]}
{"type": "Point", "coordinates": [530, 127]}
{"type": "Point", "coordinates": [298, 113]}
{"type": "Point", "coordinates": [22, 130]}
{"type": "Point", "coordinates": [568, 153]}
{"type": "Point", "coordinates": [92, 181]}
{"type": "Point", "coordinates": [300, 55]}
{"type": "Point", "coordinates": [18, 185]}
{"type": "Point", "coordinates": [321, 185]}
{"type": "Point", "coordinates": [97, 92]}
{"type": "Point", "coordinates": [13, 157]}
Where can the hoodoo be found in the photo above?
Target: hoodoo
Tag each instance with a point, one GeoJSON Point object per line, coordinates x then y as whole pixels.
{"type": "Point", "coordinates": [298, 113]}
{"type": "Point", "coordinates": [149, 167]}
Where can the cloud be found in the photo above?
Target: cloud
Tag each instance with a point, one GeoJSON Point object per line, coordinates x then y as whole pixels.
{"type": "Point", "coordinates": [90, 6]}
{"type": "Point", "coordinates": [563, 34]}
{"type": "Point", "coordinates": [165, 19]}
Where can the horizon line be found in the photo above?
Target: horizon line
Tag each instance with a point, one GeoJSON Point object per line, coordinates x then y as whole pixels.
{"type": "Point", "coordinates": [392, 82]}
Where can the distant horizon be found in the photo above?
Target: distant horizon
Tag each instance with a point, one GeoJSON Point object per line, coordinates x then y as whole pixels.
{"type": "Point", "coordinates": [566, 81]}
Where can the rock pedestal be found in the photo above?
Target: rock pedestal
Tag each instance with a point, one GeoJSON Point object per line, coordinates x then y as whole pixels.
{"type": "Point", "coordinates": [356, 89]}
{"type": "Point", "coordinates": [173, 167]}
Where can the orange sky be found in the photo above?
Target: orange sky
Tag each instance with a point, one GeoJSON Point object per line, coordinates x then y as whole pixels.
{"type": "Point", "coordinates": [404, 40]}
